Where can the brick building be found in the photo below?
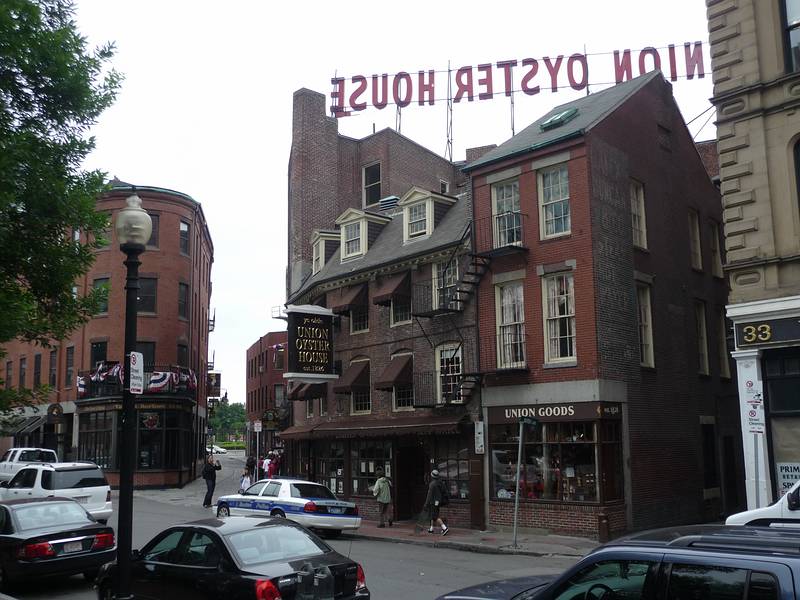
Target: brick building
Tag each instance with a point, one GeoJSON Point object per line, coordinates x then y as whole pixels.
{"type": "Point", "coordinates": [266, 391]}
{"type": "Point", "coordinates": [173, 329]}
{"type": "Point", "coordinates": [601, 315]}
{"type": "Point", "coordinates": [756, 66]}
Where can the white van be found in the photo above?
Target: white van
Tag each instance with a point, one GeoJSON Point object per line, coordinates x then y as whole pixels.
{"type": "Point", "coordinates": [783, 513]}
{"type": "Point", "coordinates": [83, 482]}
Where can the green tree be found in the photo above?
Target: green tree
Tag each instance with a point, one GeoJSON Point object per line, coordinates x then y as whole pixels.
{"type": "Point", "coordinates": [53, 87]}
{"type": "Point", "coordinates": [228, 418]}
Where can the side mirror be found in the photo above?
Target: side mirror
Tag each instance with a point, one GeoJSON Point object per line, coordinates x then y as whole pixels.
{"type": "Point", "coordinates": [793, 499]}
{"type": "Point", "coordinates": [135, 554]}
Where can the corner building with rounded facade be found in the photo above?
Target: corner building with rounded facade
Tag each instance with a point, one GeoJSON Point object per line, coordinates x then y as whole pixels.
{"type": "Point", "coordinates": [173, 328]}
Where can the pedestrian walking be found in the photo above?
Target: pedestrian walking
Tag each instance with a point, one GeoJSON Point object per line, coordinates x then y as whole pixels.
{"type": "Point", "coordinates": [210, 475]}
{"type": "Point", "coordinates": [244, 481]}
{"type": "Point", "coordinates": [251, 464]}
{"type": "Point", "coordinates": [265, 464]}
{"type": "Point", "coordinates": [273, 466]}
{"type": "Point", "coordinates": [437, 497]}
{"type": "Point", "coordinates": [382, 490]}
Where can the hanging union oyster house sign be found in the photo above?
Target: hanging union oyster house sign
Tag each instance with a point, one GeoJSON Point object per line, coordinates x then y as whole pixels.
{"type": "Point", "coordinates": [309, 352]}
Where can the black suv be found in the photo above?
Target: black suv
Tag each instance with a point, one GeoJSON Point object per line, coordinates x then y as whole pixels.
{"type": "Point", "coordinates": [713, 562]}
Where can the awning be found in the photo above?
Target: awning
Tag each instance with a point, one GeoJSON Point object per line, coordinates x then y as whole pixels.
{"type": "Point", "coordinates": [355, 377]}
{"type": "Point", "coordinates": [440, 425]}
{"type": "Point", "coordinates": [399, 285]}
{"type": "Point", "coordinates": [309, 391]}
{"type": "Point", "coordinates": [397, 373]}
{"type": "Point", "coordinates": [28, 425]}
{"type": "Point", "coordinates": [349, 298]}
{"type": "Point", "coordinates": [296, 432]}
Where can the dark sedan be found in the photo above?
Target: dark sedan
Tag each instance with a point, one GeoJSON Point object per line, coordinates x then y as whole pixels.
{"type": "Point", "coordinates": [240, 558]}
{"type": "Point", "coordinates": [42, 537]}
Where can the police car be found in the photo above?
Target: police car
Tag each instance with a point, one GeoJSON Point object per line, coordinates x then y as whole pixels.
{"type": "Point", "coordinates": [309, 504]}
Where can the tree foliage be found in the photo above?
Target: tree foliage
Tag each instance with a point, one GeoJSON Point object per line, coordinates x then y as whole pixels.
{"type": "Point", "coordinates": [53, 87]}
{"type": "Point", "coordinates": [228, 418]}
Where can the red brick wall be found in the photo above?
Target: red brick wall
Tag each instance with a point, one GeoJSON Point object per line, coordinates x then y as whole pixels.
{"type": "Point", "coordinates": [567, 519]}
{"type": "Point", "coordinates": [260, 385]}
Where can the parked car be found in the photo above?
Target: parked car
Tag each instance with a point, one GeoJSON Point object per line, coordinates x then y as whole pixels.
{"type": "Point", "coordinates": [84, 482]}
{"type": "Point", "coordinates": [305, 502]}
{"type": "Point", "coordinates": [785, 512]}
{"type": "Point", "coordinates": [218, 450]}
{"type": "Point", "coordinates": [716, 562]}
{"type": "Point", "coordinates": [16, 458]}
{"type": "Point", "coordinates": [51, 536]}
{"type": "Point", "coordinates": [240, 559]}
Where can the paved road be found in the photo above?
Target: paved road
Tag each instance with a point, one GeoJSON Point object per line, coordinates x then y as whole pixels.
{"type": "Point", "coordinates": [394, 571]}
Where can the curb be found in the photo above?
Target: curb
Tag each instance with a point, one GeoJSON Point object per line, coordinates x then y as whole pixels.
{"type": "Point", "coordinates": [462, 546]}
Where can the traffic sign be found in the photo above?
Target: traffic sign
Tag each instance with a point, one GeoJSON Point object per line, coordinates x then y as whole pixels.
{"type": "Point", "coordinates": [136, 369]}
{"type": "Point", "coordinates": [257, 426]}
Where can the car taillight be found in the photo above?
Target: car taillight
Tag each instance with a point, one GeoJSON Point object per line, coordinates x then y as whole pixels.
{"type": "Point", "coordinates": [310, 507]}
{"type": "Point", "coordinates": [266, 590]}
{"type": "Point", "coordinates": [108, 496]}
{"type": "Point", "coordinates": [103, 541]}
{"type": "Point", "coordinates": [361, 579]}
{"type": "Point", "coordinates": [40, 550]}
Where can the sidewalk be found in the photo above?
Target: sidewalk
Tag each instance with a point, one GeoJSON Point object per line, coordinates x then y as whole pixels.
{"type": "Point", "coordinates": [469, 540]}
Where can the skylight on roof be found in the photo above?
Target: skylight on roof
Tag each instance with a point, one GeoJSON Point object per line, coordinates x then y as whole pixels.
{"type": "Point", "coordinates": [559, 119]}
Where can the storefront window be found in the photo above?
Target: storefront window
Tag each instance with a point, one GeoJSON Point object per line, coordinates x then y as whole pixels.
{"type": "Point", "coordinates": [94, 438]}
{"type": "Point", "coordinates": [151, 439]}
{"type": "Point", "coordinates": [451, 457]}
{"type": "Point", "coordinates": [559, 462]}
{"type": "Point", "coordinates": [330, 465]}
{"type": "Point", "coordinates": [366, 457]}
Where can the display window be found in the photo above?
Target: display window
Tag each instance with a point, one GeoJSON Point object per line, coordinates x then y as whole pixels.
{"type": "Point", "coordinates": [366, 457]}
{"type": "Point", "coordinates": [330, 457]}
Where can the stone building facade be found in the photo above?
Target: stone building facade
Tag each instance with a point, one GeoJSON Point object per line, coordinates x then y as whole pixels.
{"type": "Point", "coordinates": [756, 72]}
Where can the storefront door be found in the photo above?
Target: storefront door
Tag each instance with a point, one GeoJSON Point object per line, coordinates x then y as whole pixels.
{"type": "Point", "coordinates": [409, 484]}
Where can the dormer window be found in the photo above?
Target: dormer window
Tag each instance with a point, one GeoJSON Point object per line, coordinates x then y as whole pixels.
{"type": "Point", "coordinates": [324, 243]}
{"type": "Point", "coordinates": [417, 221]}
{"type": "Point", "coordinates": [316, 262]}
{"type": "Point", "coordinates": [351, 236]}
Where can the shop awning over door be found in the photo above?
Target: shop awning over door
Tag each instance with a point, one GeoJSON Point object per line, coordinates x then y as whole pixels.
{"type": "Point", "coordinates": [355, 378]}
{"type": "Point", "coordinates": [297, 432]}
{"type": "Point", "coordinates": [29, 425]}
{"type": "Point", "coordinates": [397, 373]}
{"type": "Point", "coordinates": [349, 298]}
{"type": "Point", "coordinates": [398, 285]}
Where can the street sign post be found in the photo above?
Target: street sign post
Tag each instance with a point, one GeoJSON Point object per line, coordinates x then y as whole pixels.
{"type": "Point", "coordinates": [257, 430]}
{"type": "Point", "coordinates": [522, 422]}
{"type": "Point", "coordinates": [136, 368]}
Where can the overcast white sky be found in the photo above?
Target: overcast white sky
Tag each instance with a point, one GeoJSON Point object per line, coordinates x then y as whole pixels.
{"type": "Point", "coordinates": [206, 105]}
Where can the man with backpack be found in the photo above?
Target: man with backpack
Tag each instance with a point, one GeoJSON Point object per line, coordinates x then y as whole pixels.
{"type": "Point", "coordinates": [437, 497]}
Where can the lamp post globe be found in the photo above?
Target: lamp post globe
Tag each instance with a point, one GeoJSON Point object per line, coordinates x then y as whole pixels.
{"type": "Point", "coordinates": [134, 227]}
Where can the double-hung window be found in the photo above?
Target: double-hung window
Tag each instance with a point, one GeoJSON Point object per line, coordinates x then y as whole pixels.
{"type": "Point", "coordinates": [694, 240]}
{"type": "Point", "coordinates": [645, 319]}
{"type": "Point", "coordinates": [185, 242]}
{"type": "Point", "coordinates": [792, 33]}
{"type": "Point", "coordinates": [352, 239]}
{"type": "Point", "coordinates": [716, 254]}
{"type": "Point", "coordinates": [401, 310]}
{"type": "Point", "coordinates": [183, 300]}
{"type": "Point", "coordinates": [638, 219]}
{"type": "Point", "coordinates": [510, 326]}
{"type": "Point", "coordinates": [371, 184]}
{"type": "Point", "coordinates": [560, 318]}
{"type": "Point", "coordinates": [445, 284]}
{"type": "Point", "coordinates": [554, 201]}
{"type": "Point", "coordinates": [702, 336]}
{"type": "Point", "coordinates": [146, 299]}
{"type": "Point", "coordinates": [449, 370]}
{"type": "Point", "coordinates": [51, 380]}
{"type": "Point", "coordinates": [359, 319]}
{"type": "Point", "coordinates": [507, 218]}
{"type": "Point", "coordinates": [417, 220]}
{"type": "Point", "coordinates": [102, 282]}
{"type": "Point", "coordinates": [316, 262]}
{"type": "Point", "coordinates": [403, 397]}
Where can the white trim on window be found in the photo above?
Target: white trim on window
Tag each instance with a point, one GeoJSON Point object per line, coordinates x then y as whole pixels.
{"type": "Point", "coordinates": [510, 325]}
{"type": "Point", "coordinates": [309, 408]}
{"type": "Point", "coordinates": [644, 315]}
{"type": "Point", "coordinates": [447, 271]}
{"type": "Point", "coordinates": [417, 220]}
{"type": "Point", "coordinates": [558, 297]}
{"type": "Point", "coordinates": [449, 369]}
{"type": "Point", "coordinates": [554, 204]}
{"type": "Point", "coordinates": [368, 393]}
{"type": "Point", "coordinates": [352, 322]}
{"type": "Point", "coordinates": [638, 214]}
{"type": "Point", "coordinates": [506, 215]}
{"type": "Point", "coordinates": [444, 186]}
{"type": "Point", "coordinates": [316, 259]}
{"type": "Point", "coordinates": [392, 317]}
{"type": "Point", "coordinates": [354, 241]}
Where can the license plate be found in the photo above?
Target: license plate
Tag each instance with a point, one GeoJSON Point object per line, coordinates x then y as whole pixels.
{"type": "Point", "coordinates": [336, 510]}
{"type": "Point", "coordinates": [83, 499]}
{"type": "Point", "coordinates": [72, 547]}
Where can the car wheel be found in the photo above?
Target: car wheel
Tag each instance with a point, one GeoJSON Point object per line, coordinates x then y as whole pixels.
{"type": "Point", "coordinates": [91, 575]}
{"type": "Point", "coordinates": [223, 511]}
{"type": "Point", "coordinates": [278, 513]}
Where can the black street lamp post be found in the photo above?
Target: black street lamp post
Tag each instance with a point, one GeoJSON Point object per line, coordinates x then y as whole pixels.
{"type": "Point", "coordinates": [133, 231]}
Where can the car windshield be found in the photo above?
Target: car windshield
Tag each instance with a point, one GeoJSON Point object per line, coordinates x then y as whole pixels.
{"type": "Point", "coordinates": [311, 490]}
{"type": "Point", "coordinates": [73, 478]}
{"type": "Point", "coordinates": [47, 514]}
{"type": "Point", "coordinates": [274, 542]}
